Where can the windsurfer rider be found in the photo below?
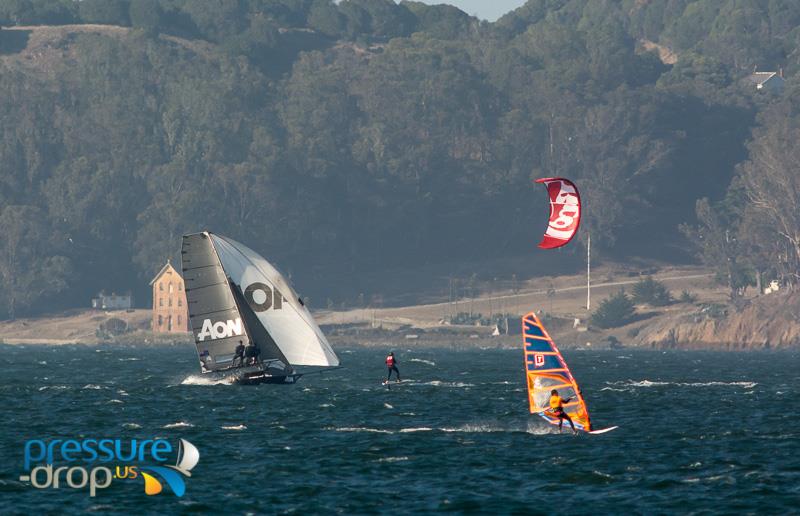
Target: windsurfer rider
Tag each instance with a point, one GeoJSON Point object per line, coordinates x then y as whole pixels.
{"type": "Point", "coordinates": [391, 364]}
{"type": "Point", "coordinates": [557, 408]}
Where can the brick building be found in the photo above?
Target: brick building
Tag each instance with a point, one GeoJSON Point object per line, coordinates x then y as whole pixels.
{"type": "Point", "coordinates": [170, 314]}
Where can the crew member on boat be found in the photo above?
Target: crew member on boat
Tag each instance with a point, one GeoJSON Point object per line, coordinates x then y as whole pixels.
{"type": "Point", "coordinates": [238, 353]}
{"type": "Point", "coordinates": [557, 410]}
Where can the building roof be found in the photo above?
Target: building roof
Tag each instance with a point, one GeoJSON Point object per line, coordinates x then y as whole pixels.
{"type": "Point", "coordinates": [759, 78]}
{"type": "Point", "coordinates": [166, 268]}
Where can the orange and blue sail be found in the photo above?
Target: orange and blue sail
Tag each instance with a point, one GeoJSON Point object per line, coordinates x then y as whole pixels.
{"type": "Point", "coordinates": [546, 370]}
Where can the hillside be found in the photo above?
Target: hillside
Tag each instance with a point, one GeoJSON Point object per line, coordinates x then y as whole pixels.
{"type": "Point", "coordinates": [356, 143]}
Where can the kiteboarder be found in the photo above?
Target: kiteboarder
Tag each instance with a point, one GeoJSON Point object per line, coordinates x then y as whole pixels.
{"type": "Point", "coordinates": [557, 407]}
{"type": "Point", "coordinates": [391, 364]}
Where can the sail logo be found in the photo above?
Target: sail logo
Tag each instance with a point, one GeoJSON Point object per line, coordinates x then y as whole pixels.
{"type": "Point", "coordinates": [94, 464]}
{"type": "Point", "coordinates": [261, 297]}
{"type": "Point", "coordinates": [220, 329]}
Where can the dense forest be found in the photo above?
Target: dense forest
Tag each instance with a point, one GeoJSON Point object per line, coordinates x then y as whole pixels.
{"type": "Point", "coordinates": [369, 135]}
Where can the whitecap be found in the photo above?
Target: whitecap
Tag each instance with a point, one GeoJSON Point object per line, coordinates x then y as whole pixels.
{"type": "Point", "coordinates": [438, 383]}
{"type": "Point", "coordinates": [92, 386]}
{"type": "Point", "coordinates": [115, 401]}
{"type": "Point", "coordinates": [363, 429]}
{"type": "Point", "coordinates": [179, 424]}
{"type": "Point", "coordinates": [386, 405]}
{"type": "Point", "coordinates": [236, 427]}
{"type": "Point", "coordinates": [393, 459]}
{"type": "Point", "coordinates": [423, 361]}
{"type": "Point", "coordinates": [131, 426]}
{"type": "Point", "coordinates": [418, 429]}
{"type": "Point", "coordinates": [201, 380]}
{"type": "Point", "coordinates": [327, 405]}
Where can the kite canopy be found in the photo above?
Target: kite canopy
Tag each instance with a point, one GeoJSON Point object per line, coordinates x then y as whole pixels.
{"type": "Point", "coordinates": [546, 370]}
{"type": "Point", "coordinates": [565, 212]}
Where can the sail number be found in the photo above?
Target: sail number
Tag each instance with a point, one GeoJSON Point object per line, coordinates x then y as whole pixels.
{"type": "Point", "coordinates": [261, 297]}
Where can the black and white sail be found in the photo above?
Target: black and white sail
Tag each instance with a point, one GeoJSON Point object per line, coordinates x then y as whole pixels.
{"type": "Point", "coordinates": [236, 296]}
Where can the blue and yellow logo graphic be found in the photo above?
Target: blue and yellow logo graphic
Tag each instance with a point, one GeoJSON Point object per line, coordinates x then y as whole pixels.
{"type": "Point", "coordinates": [133, 457]}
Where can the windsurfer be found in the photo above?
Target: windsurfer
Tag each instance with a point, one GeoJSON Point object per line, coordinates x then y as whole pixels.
{"type": "Point", "coordinates": [391, 364]}
{"type": "Point", "coordinates": [557, 408]}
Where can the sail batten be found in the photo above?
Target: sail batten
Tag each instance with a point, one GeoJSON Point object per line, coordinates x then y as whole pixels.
{"type": "Point", "coordinates": [545, 370]}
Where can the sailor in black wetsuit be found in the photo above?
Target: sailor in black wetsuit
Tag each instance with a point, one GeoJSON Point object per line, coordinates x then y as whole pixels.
{"type": "Point", "coordinates": [239, 353]}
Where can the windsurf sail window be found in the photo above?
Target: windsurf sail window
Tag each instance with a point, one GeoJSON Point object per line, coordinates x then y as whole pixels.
{"type": "Point", "coordinates": [276, 305]}
{"type": "Point", "coordinates": [545, 370]}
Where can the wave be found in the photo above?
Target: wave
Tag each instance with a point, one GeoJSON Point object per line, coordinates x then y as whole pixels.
{"type": "Point", "coordinates": [93, 386]}
{"type": "Point", "coordinates": [236, 427]}
{"type": "Point", "coordinates": [201, 380]}
{"type": "Point", "coordinates": [393, 459]}
{"type": "Point", "coordinates": [363, 429]}
{"type": "Point", "coordinates": [115, 401]}
{"type": "Point", "coordinates": [418, 429]}
{"type": "Point", "coordinates": [131, 359]}
{"type": "Point", "coordinates": [131, 426]}
{"type": "Point", "coordinates": [423, 361]}
{"type": "Point", "coordinates": [386, 405]}
{"type": "Point", "coordinates": [54, 387]}
{"type": "Point", "coordinates": [438, 383]}
{"type": "Point", "coordinates": [179, 424]}
{"type": "Point", "coordinates": [649, 383]}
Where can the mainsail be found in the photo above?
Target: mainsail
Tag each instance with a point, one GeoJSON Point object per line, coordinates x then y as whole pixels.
{"type": "Point", "coordinates": [546, 370]}
{"type": "Point", "coordinates": [215, 318]}
{"type": "Point", "coordinates": [236, 295]}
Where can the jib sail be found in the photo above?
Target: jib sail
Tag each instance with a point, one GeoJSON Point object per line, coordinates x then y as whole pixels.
{"type": "Point", "coordinates": [546, 370]}
{"type": "Point", "coordinates": [275, 305]}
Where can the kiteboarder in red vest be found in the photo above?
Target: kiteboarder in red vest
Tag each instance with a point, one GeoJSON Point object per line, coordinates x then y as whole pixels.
{"type": "Point", "coordinates": [391, 364]}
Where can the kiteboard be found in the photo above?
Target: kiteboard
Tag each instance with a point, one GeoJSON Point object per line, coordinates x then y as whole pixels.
{"type": "Point", "coordinates": [546, 370]}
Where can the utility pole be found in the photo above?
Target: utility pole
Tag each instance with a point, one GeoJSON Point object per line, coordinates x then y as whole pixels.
{"type": "Point", "coordinates": [589, 272]}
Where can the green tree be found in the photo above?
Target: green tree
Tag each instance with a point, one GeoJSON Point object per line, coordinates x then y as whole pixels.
{"type": "Point", "coordinates": [647, 290]}
{"type": "Point", "coordinates": [616, 310]}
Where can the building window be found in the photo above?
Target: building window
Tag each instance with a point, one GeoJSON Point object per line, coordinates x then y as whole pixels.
{"type": "Point", "coordinates": [179, 320]}
{"type": "Point", "coordinates": [180, 302]}
{"type": "Point", "coordinates": [180, 286]}
{"type": "Point", "coordinates": [169, 323]}
{"type": "Point", "coordinates": [170, 301]}
{"type": "Point", "coordinates": [160, 301]}
{"type": "Point", "coordinates": [160, 320]}
{"type": "Point", "coordinates": [161, 287]}
{"type": "Point", "coordinates": [170, 288]}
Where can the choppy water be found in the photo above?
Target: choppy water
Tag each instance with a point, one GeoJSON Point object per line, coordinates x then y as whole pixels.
{"type": "Point", "coordinates": [699, 432]}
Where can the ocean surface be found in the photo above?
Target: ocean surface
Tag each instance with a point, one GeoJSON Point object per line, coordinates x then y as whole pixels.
{"type": "Point", "coordinates": [700, 432]}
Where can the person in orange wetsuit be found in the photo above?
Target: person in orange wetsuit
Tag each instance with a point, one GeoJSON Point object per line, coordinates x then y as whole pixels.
{"type": "Point", "coordinates": [391, 364]}
{"type": "Point", "coordinates": [557, 408]}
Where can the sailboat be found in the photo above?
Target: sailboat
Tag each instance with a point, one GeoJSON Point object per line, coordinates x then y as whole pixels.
{"type": "Point", "coordinates": [546, 370]}
{"type": "Point", "coordinates": [238, 299]}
